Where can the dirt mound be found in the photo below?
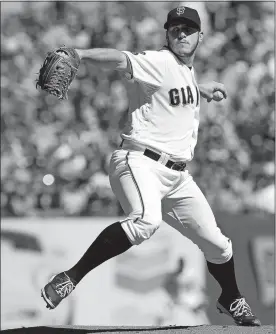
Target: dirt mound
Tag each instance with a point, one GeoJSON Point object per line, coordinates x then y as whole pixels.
{"type": "Point", "coordinates": [205, 329]}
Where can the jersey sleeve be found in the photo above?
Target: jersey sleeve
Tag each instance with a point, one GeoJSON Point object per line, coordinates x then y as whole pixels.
{"type": "Point", "coordinates": [148, 67]}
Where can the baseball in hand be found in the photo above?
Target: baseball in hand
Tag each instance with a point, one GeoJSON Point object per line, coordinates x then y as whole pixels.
{"type": "Point", "coordinates": [218, 96]}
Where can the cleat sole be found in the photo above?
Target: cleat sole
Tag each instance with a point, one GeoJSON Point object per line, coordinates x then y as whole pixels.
{"type": "Point", "coordinates": [49, 304]}
{"type": "Point", "coordinates": [222, 310]}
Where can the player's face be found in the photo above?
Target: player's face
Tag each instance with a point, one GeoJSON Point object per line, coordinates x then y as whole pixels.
{"type": "Point", "coordinates": [183, 39]}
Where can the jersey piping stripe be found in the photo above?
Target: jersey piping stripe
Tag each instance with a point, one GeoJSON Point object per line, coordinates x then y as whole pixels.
{"type": "Point", "coordinates": [136, 185]}
{"type": "Point", "coordinates": [130, 64]}
{"type": "Point", "coordinates": [197, 96]}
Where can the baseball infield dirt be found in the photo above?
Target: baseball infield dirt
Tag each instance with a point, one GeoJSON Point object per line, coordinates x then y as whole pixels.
{"type": "Point", "coordinates": [206, 329]}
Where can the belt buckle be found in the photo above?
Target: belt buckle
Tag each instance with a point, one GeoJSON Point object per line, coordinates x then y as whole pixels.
{"type": "Point", "coordinates": [181, 165]}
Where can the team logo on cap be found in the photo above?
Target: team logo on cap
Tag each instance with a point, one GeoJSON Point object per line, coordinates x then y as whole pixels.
{"type": "Point", "coordinates": [180, 10]}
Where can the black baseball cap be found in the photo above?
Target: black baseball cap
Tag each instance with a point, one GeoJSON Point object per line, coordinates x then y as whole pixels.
{"type": "Point", "coordinates": [183, 14]}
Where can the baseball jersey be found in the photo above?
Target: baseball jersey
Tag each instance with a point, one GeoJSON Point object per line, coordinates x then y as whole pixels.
{"type": "Point", "coordinates": [164, 102]}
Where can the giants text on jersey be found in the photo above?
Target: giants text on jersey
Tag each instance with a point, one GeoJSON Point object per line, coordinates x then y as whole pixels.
{"type": "Point", "coordinates": [164, 104]}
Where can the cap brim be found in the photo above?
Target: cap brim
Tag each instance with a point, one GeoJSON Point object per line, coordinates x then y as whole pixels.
{"type": "Point", "coordinates": [181, 20]}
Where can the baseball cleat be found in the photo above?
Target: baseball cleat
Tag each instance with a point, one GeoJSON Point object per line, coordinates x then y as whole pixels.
{"type": "Point", "coordinates": [59, 287]}
{"type": "Point", "coordinates": [240, 311]}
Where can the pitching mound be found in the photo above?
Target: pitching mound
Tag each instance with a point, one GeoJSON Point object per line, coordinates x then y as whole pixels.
{"type": "Point", "coordinates": [206, 329]}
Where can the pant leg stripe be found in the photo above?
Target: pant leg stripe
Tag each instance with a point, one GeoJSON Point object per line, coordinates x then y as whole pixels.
{"type": "Point", "coordinates": [136, 185]}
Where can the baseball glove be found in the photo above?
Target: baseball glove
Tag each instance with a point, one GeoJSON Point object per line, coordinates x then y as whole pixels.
{"type": "Point", "coordinates": [58, 71]}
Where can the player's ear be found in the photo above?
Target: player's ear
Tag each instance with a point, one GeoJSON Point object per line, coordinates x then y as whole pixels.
{"type": "Point", "coordinates": [200, 36]}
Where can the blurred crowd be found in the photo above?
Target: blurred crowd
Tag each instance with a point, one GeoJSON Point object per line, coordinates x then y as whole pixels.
{"type": "Point", "coordinates": [55, 154]}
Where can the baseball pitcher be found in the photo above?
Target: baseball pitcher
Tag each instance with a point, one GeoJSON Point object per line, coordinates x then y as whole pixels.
{"type": "Point", "coordinates": [148, 171]}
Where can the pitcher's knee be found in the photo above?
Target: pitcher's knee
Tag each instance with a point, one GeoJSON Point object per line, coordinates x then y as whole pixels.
{"type": "Point", "coordinates": [139, 230]}
{"type": "Point", "coordinates": [220, 255]}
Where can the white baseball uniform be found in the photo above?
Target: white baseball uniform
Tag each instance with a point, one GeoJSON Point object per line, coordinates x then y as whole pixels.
{"type": "Point", "coordinates": [161, 132]}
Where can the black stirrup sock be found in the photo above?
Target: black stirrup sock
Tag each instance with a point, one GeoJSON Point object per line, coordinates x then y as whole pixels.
{"type": "Point", "coordinates": [224, 273]}
{"type": "Point", "coordinates": [111, 242]}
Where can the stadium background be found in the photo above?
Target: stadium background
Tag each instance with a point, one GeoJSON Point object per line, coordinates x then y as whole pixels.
{"type": "Point", "coordinates": [55, 155]}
